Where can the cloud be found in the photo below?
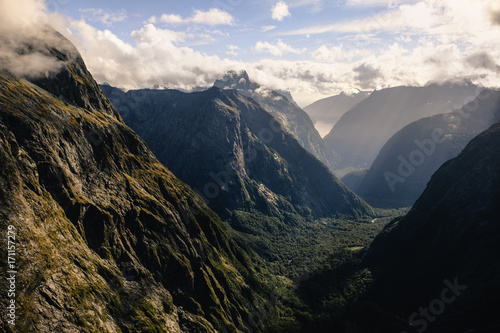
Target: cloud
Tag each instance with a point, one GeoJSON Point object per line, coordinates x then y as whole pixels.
{"type": "Point", "coordinates": [155, 59]}
{"type": "Point", "coordinates": [377, 3]}
{"type": "Point", "coordinates": [483, 60]}
{"type": "Point", "coordinates": [22, 15]}
{"type": "Point", "coordinates": [495, 13]}
{"type": "Point", "coordinates": [233, 50]}
{"type": "Point", "coordinates": [461, 44]}
{"type": "Point", "coordinates": [280, 11]}
{"type": "Point", "coordinates": [267, 28]}
{"type": "Point", "coordinates": [171, 19]}
{"type": "Point", "coordinates": [26, 41]}
{"type": "Point", "coordinates": [211, 17]}
{"type": "Point", "coordinates": [339, 53]}
{"type": "Point", "coordinates": [367, 75]}
{"type": "Point", "coordinates": [496, 17]}
{"type": "Point", "coordinates": [404, 39]}
{"type": "Point", "coordinates": [278, 49]}
{"type": "Point", "coordinates": [425, 17]}
{"type": "Point", "coordinates": [419, 17]}
{"type": "Point", "coordinates": [106, 17]}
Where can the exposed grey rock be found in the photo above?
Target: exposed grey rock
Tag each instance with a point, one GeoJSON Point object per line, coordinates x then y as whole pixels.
{"type": "Point", "coordinates": [282, 106]}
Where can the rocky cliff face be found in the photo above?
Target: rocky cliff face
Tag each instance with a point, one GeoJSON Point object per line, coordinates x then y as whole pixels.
{"type": "Point", "coordinates": [282, 106]}
{"type": "Point", "coordinates": [107, 239]}
{"type": "Point", "coordinates": [362, 131]}
{"type": "Point", "coordinates": [234, 153]}
{"type": "Point", "coordinates": [407, 161]}
{"type": "Point", "coordinates": [442, 257]}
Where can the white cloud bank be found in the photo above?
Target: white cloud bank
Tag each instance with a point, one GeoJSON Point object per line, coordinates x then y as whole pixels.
{"type": "Point", "coordinates": [25, 41]}
{"type": "Point", "coordinates": [450, 40]}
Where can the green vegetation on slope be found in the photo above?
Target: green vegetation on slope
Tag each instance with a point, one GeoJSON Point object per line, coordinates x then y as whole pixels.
{"type": "Point", "coordinates": [107, 237]}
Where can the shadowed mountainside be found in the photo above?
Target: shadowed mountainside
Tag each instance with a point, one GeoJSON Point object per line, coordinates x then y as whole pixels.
{"type": "Point", "coordinates": [107, 239]}
{"type": "Point", "coordinates": [444, 252]}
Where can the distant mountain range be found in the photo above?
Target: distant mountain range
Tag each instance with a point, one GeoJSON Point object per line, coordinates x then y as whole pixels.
{"type": "Point", "coordinates": [407, 161]}
{"type": "Point", "coordinates": [362, 131]}
{"type": "Point", "coordinates": [326, 112]}
{"type": "Point", "coordinates": [282, 106]}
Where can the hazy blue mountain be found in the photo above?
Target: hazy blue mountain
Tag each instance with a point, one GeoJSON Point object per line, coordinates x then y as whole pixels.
{"type": "Point", "coordinates": [108, 240]}
{"type": "Point", "coordinates": [362, 131]}
{"type": "Point", "coordinates": [326, 112]}
{"type": "Point", "coordinates": [282, 106]}
{"type": "Point", "coordinates": [407, 161]}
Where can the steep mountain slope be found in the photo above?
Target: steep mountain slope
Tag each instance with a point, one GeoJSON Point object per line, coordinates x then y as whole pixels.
{"type": "Point", "coordinates": [407, 161]}
{"type": "Point", "coordinates": [361, 132]}
{"type": "Point", "coordinates": [443, 255]}
{"type": "Point", "coordinates": [326, 112]}
{"type": "Point", "coordinates": [286, 111]}
{"type": "Point", "coordinates": [234, 153]}
{"type": "Point", "coordinates": [107, 239]}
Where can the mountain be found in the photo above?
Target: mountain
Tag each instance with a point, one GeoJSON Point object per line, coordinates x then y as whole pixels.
{"type": "Point", "coordinates": [282, 106]}
{"type": "Point", "coordinates": [407, 161]}
{"type": "Point", "coordinates": [353, 179]}
{"type": "Point", "coordinates": [362, 131]}
{"type": "Point", "coordinates": [326, 112]}
{"type": "Point", "coordinates": [439, 266]}
{"type": "Point", "coordinates": [102, 237]}
{"type": "Point", "coordinates": [236, 155]}
{"type": "Point", "coordinates": [234, 152]}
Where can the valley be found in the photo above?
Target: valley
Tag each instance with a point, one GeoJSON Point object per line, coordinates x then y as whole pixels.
{"type": "Point", "coordinates": [222, 208]}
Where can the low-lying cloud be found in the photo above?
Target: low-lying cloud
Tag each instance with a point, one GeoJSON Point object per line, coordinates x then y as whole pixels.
{"type": "Point", "coordinates": [26, 39]}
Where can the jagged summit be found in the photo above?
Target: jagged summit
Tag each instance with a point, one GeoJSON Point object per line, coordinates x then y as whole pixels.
{"type": "Point", "coordinates": [236, 80]}
{"type": "Point", "coordinates": [282, 106]}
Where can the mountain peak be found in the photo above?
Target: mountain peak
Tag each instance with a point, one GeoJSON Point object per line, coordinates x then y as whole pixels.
{"type": "Point", "coordinates": [236, 80]}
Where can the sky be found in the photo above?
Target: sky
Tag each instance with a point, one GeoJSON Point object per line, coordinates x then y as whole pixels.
{"type": "Point", "coordinates": [313, 48]}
